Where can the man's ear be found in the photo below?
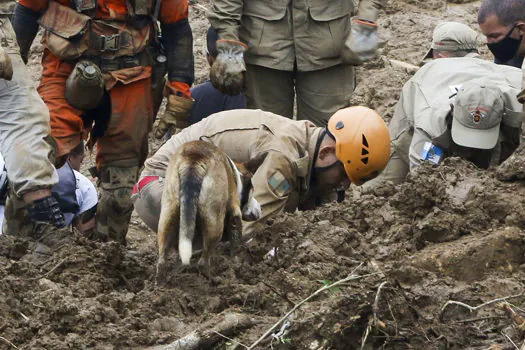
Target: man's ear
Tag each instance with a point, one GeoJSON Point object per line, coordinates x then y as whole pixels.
{"type": "Point", "coordinates": [325, 151]}
{"type": "Point", "coordinates": [253, 164]}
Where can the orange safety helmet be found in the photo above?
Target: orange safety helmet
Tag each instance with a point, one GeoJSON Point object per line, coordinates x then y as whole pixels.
{"type": "Point", "coordinates": [362, 142]}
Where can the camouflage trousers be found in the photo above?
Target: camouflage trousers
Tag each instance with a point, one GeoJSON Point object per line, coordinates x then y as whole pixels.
{"type": "Point", "coordinates": [115, 207]}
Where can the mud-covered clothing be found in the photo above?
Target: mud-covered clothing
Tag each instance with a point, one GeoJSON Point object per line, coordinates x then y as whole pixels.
{"type": "Point", "coordinates": [298, 43]}
{"type": "Point", "coordinates": [424, 107]}
{"type": "Point", "coordinates": [118, 40]}
{"type": "Point", "coordinates": [209, 100]}
{"type": "Point", "coordinates": [24, 121]}
{"type": "Point", "coordinates": [281, 183]}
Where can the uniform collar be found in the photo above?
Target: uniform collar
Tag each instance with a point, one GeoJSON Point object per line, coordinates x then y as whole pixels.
{"type": "Point", "coordinates": [305, 164]}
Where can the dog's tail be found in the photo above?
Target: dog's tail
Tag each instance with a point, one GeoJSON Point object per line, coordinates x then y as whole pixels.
{"type": "Point", "coordinates": [191, 182]}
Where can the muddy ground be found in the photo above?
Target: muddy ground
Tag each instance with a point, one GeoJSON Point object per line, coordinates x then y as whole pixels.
{"type": "Point", "coordinates": [450, 233]}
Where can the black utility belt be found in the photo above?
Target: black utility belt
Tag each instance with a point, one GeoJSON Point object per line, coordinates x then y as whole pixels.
{"type": "Point", "coordinates": [113, 64]}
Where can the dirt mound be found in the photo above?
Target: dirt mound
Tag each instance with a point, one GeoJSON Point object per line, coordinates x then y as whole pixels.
{"type": "Point", "coordinates": [450, 233]}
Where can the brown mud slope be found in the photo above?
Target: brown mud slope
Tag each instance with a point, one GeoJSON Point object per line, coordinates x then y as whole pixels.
{"type": "Point", "coordinates": [450, 233]}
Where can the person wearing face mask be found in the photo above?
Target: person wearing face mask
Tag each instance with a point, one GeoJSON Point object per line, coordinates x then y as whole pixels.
{"type": "Point", "coordinates": [304, 162]}
{"type": "Point", "coordinates": [503, 23]}
{"type": "Point", "coordinates": [463, 107]}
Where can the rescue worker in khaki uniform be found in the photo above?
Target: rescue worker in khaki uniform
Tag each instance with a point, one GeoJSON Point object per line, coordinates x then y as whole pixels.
{"type": "Point", "coordinates": [100, 61]}
{"type": "Point", "coordinates": [24, 130]}
{"type": "Point", "coordinates": [453, 39]}
{"type": "Point", "coordinates": [304, 162]}
{"type": "Point", "coordinates": [304, 50]}
{"type": "Point", "coordinates": [462, 107]}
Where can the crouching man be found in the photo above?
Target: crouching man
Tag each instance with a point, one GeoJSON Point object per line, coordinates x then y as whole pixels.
{"type": "Point", "coordinates": [304, 162]}
{"type": "Point", "coordinates": [462, 107]}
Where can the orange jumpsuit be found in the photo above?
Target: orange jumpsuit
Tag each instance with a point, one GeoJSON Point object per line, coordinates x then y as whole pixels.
{"type": "Point", "coordinates": [131, 98]}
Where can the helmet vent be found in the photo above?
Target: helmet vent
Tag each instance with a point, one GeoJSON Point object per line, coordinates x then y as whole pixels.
{"type": "Point", "coordinates": [364, 160]}
{"type": "Point", "coordinates": [339, 125]}
{"type": "Point", "coordinates": [365, 141]}
{"type": "Point", "coordinates": [364, 152]}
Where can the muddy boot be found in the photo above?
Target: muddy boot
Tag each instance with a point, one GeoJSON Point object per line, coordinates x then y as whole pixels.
{"type": "Point", "coordinates": [115, 207]}
{"type": "Point", "coordinates": [17, 221]}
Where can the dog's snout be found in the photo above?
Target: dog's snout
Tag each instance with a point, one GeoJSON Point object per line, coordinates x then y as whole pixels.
{"type": "Point", "coordinates": [252, 210]}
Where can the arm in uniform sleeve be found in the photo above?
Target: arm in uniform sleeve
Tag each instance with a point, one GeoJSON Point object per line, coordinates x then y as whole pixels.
{"type": "Point", "coordinates": [178, 42]}
{"type": "Point", "coordinates": [416, 147]}
{"type": "Point", "coordinates": [225, 18]}
{"type": "Point", "coordinates": [273, 185]}
{"type": "Point", "coordinates": [368, 9]}
{"type": "Point", "coordinates": [25, 23]}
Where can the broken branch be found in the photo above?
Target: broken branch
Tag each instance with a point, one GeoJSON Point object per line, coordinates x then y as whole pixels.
{"type": "Point", "coordinates": [351, 277]}
{"type": "Point", "coordinates": [474, 308]}
{"type": "Point", "coordinates": [232, 324]}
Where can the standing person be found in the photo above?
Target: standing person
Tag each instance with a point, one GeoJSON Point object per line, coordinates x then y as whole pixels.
{"type": "Point", "coordinates": [98, 64]}
{"type": "Point", "coordinates": [503, 23]}
{"type": "Point", "coordinates": [294, 50]}
{"type": "Point", "coordinates": [303, 162]}
{"type": "Point", "coordinates": [25, 144]}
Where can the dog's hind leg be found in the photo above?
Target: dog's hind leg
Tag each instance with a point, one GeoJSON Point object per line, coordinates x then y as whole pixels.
{"type": "Point", "coordinates": [212, 230]}
{"type": "Point", "coordinates": [234, 228]}
{"type": "Point", "coordinates": [167, 234]}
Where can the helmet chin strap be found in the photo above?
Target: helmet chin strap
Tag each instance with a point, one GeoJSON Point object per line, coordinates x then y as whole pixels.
{"type": "Point", "coordinates": [322, 169]}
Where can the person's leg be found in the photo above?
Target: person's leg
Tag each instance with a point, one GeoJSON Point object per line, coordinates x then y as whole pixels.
{"type": "Point", "coordinates": [322, 92]}
{"type": "Point", "coordinates": [26, 144]}
{"type": "Point", "coordinates": [270, 90]}
{"type": "Point", "coordinates": [121, 152]}
{"type": "Point", "coordinates": [147, 202]}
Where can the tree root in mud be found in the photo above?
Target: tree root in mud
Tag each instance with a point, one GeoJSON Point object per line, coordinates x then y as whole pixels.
{"type": "Point", "coordinates": [231, 325]}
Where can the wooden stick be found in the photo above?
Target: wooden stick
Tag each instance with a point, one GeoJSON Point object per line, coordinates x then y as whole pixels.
{"type": "Point", "coordinates": [8, 342]}
{"type": "Point", "coordinates": [474, 308]}
{"type": "Point", "coordinates": [206, 338]}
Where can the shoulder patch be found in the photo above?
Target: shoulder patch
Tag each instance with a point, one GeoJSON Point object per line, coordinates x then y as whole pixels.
{"type": "Point", "coordinates": [279, 185]}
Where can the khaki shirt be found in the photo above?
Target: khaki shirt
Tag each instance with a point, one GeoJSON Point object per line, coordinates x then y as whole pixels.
{"type": "Point", "coordinates": [425, 102]}
{"type": "Point", "coordinates": [283, 33]}
{"type": "Point", "coordinates": [283, 180]}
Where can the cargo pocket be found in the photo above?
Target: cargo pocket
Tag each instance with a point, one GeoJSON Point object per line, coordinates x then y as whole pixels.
{"type": "Point", "coordinates": [330, 27]}
{"type": "Point", "coordinates": [65, 31]}
{"type": "Point", "coordinates": [254, 15]}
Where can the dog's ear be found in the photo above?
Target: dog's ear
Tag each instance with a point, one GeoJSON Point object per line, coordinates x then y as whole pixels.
{"type": "Point", "coordinates": [253, 164]}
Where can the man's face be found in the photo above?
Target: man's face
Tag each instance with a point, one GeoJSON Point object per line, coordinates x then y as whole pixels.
{"type": "Point", "coordinates": [495, 32]}
{"type": "Point", "coordinates": [331, 179]}
{"type": "Point", "coordinates": [479, 157]}
{"type": "Point", "coordinates": [75, 161]}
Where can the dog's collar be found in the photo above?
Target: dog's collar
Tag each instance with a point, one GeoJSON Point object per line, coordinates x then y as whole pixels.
{"type": "Point", "coordinates": [237, 176]}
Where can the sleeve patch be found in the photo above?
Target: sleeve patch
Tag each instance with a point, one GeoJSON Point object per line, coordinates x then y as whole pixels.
{"type": "Point", "coordinates": [279, 185]}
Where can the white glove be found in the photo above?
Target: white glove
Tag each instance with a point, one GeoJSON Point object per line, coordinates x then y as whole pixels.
{"type": "Point", "coordinates": [361, 45]}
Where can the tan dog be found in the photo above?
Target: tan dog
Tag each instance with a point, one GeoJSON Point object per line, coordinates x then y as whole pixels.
{"type": "Point", "coordinates": [207, 193]}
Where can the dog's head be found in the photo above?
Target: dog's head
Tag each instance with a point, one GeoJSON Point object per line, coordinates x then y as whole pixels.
{"type": "Point", "coordinates": [251, 209]}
